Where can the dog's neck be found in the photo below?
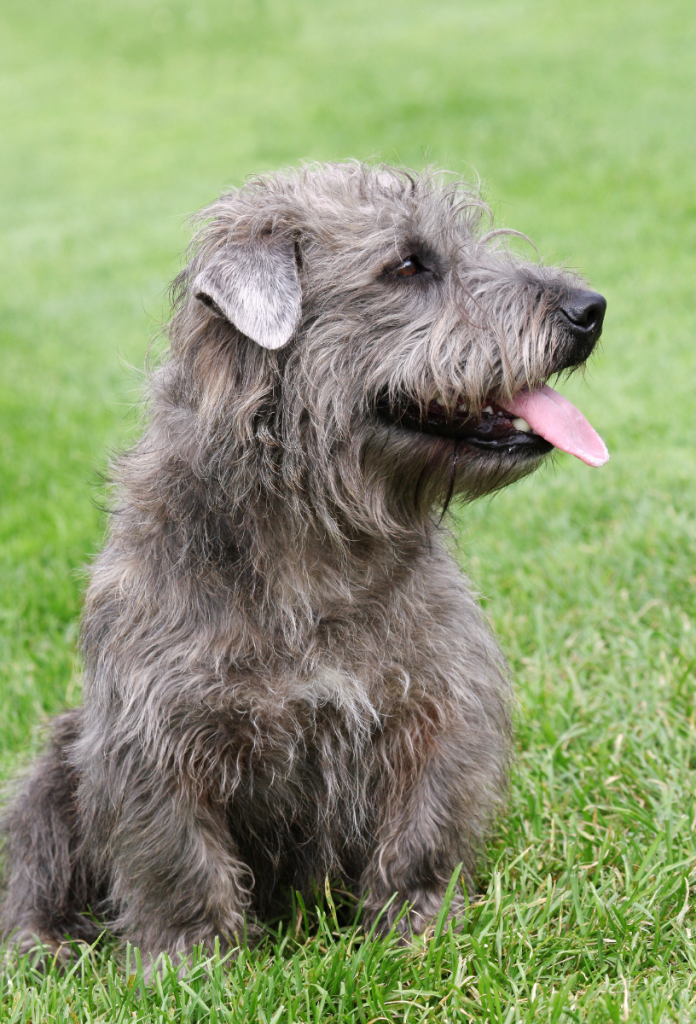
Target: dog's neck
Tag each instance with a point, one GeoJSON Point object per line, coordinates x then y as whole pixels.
{"type": "Point", "coordinates": [269, 553]}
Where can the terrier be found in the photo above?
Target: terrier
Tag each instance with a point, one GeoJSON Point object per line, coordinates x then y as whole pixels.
{"type": "Point", "coordinates": [285, 673]}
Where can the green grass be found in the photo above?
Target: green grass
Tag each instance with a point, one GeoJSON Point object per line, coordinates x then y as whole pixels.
{"type": "Point", "coordinates": [121, 117]}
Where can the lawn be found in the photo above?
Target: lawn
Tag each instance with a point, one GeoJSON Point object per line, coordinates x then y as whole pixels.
{"type": "Point", "coordinates": [121, 117]}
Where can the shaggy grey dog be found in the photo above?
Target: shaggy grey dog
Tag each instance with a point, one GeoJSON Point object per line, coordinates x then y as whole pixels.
{"type": "Point", "coordinates": [286, 675]}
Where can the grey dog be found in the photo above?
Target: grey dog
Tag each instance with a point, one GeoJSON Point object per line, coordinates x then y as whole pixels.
{"type": "Point", "coordinates": [285, 673]}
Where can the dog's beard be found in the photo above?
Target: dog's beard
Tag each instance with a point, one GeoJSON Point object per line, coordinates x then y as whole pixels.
{"type": "Point", "coordinates": [415, 474]}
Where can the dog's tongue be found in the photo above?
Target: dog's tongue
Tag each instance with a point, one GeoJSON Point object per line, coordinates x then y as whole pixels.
{"type": "Point", "coordinates": [564, 426]}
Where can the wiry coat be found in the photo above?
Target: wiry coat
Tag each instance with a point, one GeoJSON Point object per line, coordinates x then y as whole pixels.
{"type": "Point", "coordinates": [286, 674]}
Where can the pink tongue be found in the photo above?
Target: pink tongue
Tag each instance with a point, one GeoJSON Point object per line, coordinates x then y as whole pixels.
{"type": "Point", "coordinates": [557, 419]}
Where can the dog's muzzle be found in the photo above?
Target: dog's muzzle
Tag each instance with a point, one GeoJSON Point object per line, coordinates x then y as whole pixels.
{"type": "Point", "coordinates": [529, 423]}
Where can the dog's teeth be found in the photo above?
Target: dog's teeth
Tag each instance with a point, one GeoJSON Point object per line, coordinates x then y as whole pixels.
{"type": "Point", "coordinates": [438, 401]}
{"type": "Point", "coordinates": [489, 408]}
{"type": "Point", "coordinates": [520, 424]}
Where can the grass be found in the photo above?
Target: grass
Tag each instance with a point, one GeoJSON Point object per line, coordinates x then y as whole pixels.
{"type": "Point", "coordinates": [122, 117]}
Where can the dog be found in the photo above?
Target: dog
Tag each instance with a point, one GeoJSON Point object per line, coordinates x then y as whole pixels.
{"type": "Point", "coordinates": [286, 676]}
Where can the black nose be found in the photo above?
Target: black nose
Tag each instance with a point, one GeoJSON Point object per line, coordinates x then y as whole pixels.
{"type": "Point", "coordinates": [581, 316]}
{"type": "Point", "coordinates": [584, 312]}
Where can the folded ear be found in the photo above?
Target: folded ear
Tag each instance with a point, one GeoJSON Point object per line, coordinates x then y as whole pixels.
{"type": "Point", "coordinates": [255, 285]}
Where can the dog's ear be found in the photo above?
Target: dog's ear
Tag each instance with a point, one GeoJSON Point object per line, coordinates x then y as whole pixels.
{"type": "Point", "coordinates": [255, 285]}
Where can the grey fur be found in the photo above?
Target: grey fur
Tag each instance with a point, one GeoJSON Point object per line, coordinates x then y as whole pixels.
{"type": "Point", "coordinates": [286, 674]}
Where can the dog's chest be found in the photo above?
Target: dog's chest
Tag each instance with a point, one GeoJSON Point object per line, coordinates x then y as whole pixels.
{"type": "Point", "coordinates": [346, 693]}
{"type": "Point", "coordinates": [313, 759]}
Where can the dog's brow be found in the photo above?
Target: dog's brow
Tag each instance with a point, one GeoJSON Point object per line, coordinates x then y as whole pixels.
{"type": "Point", "coordinates": [396, 241]}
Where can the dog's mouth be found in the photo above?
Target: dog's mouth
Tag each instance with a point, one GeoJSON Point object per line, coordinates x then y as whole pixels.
{"type": "Point", "coordinates": [531, 424]}
{"type": "Point", "coordinates": [495, 428]}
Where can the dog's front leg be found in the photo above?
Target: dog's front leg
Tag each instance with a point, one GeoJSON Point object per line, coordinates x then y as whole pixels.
{"type": "Point", "coordinates": [437, 793]}
{"type": "Point", "coordinates": [176, 880]}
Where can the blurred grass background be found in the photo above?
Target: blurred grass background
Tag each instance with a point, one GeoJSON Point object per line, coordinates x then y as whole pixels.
{"type": "Point", "coordinates": [120, 118]}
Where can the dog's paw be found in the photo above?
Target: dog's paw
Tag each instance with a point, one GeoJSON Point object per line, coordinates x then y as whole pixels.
{"type": "Point", "coordinates": [416, 916]}
{"type": "Point", "coordinates": [41, 951]}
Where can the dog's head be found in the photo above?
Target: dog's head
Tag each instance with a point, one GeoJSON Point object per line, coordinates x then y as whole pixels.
{"type": "Point", "coordinates": [351, 335]}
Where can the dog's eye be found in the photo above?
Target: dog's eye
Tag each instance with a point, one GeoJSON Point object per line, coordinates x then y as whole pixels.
{"type": "Point", "coordinates": [409, 267]}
